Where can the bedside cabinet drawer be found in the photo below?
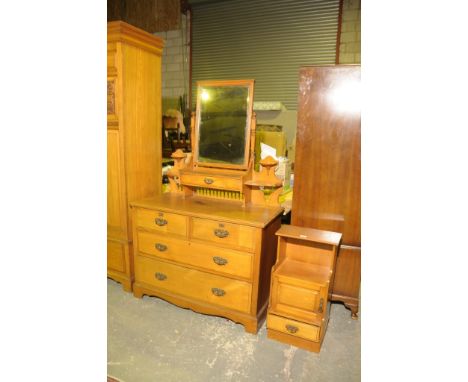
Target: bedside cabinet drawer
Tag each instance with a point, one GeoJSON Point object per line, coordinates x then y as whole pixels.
{"type": "Point", "coordinates": [225, 234]}
{"type": "Point", "coordinates": [202, 286]}
{"type": "Point", "coordinates": [292, 327]}
{"type": "Point", "coordinates": [162, 222]}
{"type": "Point", "coordinates": [296, 301]}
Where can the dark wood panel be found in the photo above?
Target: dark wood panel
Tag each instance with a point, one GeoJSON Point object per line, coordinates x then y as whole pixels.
{"type": "Point", "coordinates": [115, 10]}
{"type": "Point", "coordinates": [348, 277]}
{"type": "Point", "coordinates": [327, 169]}
{"type": "Point", "coordinates": [149, 15]}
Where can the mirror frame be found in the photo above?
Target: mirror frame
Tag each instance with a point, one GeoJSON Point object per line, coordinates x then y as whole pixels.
{"type": "Point", "coordinates": [249, 84]}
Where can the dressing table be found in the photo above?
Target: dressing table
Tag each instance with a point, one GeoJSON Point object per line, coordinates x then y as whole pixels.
{"type": "Point", "coordinates": [209, 244]}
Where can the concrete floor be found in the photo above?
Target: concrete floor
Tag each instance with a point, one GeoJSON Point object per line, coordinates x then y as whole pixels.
{"type": "Point", "coordinates": [149, 339]}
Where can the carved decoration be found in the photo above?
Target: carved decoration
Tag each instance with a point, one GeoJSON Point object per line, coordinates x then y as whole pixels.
{"type": "Point", "coordinates": [174, 173]}
{"type": "Point", "coordinates": [111, 97]}
{"type": "Point", "coordinates": [264, 187]}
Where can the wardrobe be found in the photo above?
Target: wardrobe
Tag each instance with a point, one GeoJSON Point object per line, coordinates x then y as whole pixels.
{"type": "Point", "coordinates": [133, 136]}
{"type": "Point", "coordinates": [327, 173]}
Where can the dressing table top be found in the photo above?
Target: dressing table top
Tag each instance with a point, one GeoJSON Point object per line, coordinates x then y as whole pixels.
{"type": "Point", "coordinates": [229, 211]}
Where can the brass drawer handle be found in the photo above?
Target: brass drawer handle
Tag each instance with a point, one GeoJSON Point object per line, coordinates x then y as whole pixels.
{"type": "Point", "coordinates": [292, 329]}
{"type": "Point", "coordinates": [160, 247]}
{"type": "Point", "coordinates": [220, 260]}
{"type": "Point", "coordinates": [218, 292]}
{"type": "Point", "coordinates": [320, 308]}
{"type": "Point", "coordinates": [208, 180]}
{"type": "Point", "coordinates": [160, 276]}
{"type": "Point", "coordinates": [160, 221]}
{"type": "Point", "coordinates": [221, 233]}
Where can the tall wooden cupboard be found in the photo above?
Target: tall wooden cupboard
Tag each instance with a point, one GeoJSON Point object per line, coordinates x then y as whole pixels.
{"type": "Point", "coordinates": [327, 173]}
{"type": "Point", "coordinates": [133, 136]}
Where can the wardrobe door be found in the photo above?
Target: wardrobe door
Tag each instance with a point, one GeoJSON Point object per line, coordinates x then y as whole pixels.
{"type": "Point", "coordinates": [116, 206]}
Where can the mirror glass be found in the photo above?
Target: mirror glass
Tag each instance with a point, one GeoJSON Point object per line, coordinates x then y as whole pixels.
{"type": "Point", "coordinates": [223, 123]}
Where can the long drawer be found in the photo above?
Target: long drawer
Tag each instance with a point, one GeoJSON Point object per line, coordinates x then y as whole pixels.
{"type": "Point", "coordinates": [293, 327]}
{"type": "Point", "coordinates": [217, 290]}
{"type": "Point", "coordinates": [162, 222]}
{"type": "Point", "coordinates": [224, 234]}
{"type": "Point", "coordinates": [221, 260]}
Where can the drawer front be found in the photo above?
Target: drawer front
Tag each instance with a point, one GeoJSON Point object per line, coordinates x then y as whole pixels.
{"type": "Point", "coordinates": [218, 182]}
{"type": "Point", "coordinates": [115, 256]}
{"type": "Point", "coordinates": [295, 301]}
{"type": "Point", "coordinates": [216, 290]}
{"type": "Point", "coordinates": [162, 222]}
{"type": "Point", "coordinates": [225, 234]}
{"type": "Point", "coordinates": [293, 327]}
{"type": "Point", "coordinates": [220, 260]}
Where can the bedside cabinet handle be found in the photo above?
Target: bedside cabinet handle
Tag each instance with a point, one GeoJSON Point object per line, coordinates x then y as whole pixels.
{"type": "Point", "coordinates": [320, 308]}
{"type": "Point", "coordinates": [160, 247]}
{"type": "Point", "coordinates": [208, 180]}
{"type": "Point", "coordinates": [218, 292]}
{"type": "Point", "coordinates": [221, 233]}
{"type": "Point", "coordinates": [220, 260]}
{"type": "Point", "coordinates": [292, 329]}
{"type": "Point", "coordinates": [160, 222]}
{"type": "Point", "coordinates": [160, 276]}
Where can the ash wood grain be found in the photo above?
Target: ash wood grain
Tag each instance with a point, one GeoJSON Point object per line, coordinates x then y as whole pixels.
{"type": "Point", "coordinates": [300, 329]}
{"type": "Point", "coordinates": [162, 222]}
{"type": "Point", "coordinates": [133, 133]}
{"type": "Point", "coordinates": [238, 236]}
{"type": "Point", "coordinates": [222, 210]}
{"type": "Point", "coordinates": [309, 234]}
{"type": "Point", "coordinates": [189, 282]}
{"type": "Point", "coordinates": [207, 257]}
{"type": "Point", "coordinates": [300, 291]}
{"type": "Point", "coordinates": [244, 275]}
{"type": "Point", "coordinates": [251, 323]}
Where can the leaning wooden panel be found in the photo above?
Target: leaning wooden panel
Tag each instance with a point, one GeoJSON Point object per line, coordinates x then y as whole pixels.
{"type": "Point", "coordinates": [327, 168]}
{"type": "Point", "coordinates": [327, 172]}
{"type": "Point", "coordinates": [348, 278]}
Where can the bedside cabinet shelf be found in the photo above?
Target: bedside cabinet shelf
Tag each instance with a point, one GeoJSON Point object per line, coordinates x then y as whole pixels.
{"type": "Point", "coordinates": [309, 273]}
{"type": "Point", "coordinates": [301, 284]}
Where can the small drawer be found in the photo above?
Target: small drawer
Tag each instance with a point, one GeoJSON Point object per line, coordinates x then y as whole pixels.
{"type": "Point", "coordinates": [162, 222]}
{"type": "Point", "coordinates": [220, 260]}
{"type": "Point", "coordinates": [217, 290]}
{"type": "Point", "coordinates": [115, 256]}
{"type": "Point", "coordinates": [209, 181]}
{"type": "Point", "coordinates": [296, 301]}
{"type": "Point", "coordinates": [225, 234]}
{"type": "Point", "coordinates": [293, 327]}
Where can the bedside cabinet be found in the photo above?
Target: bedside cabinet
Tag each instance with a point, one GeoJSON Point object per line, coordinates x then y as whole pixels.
{"type": "Point", "coordinates": [301, 286]}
